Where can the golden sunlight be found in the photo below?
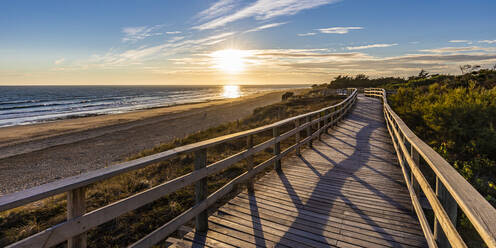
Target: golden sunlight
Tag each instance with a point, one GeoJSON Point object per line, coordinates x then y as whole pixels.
{"type": "Point", "coordinates": [231, 91]}
{"type": "Point", "coordinates": [230, 60]}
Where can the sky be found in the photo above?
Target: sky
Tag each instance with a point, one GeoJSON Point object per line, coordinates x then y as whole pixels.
{"type": "Point", "coordinates": [145, 42]}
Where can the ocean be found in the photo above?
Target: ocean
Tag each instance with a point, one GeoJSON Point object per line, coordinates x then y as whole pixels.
{"type": "Point", "coordinates": [22, 105]}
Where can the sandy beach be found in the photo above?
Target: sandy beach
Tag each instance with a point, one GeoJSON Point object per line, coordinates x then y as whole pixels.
{"type": "Point", "coordinates": [35, 154]}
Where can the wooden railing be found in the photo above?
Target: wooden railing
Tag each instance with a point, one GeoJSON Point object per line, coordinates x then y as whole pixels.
{"type": "Point", "coordinates": [78, 221]}
{"type": "Point", "coordinates": [451, 191]}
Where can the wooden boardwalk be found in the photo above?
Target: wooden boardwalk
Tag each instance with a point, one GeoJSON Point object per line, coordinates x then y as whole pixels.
{"type": "Point", "coordinates": [346, 191]}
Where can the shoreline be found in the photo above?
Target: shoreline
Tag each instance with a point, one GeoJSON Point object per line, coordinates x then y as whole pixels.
{"type": "Point", "coordinates": [45, 152]}
{"type": "Point", "coordinates": [15, 135]}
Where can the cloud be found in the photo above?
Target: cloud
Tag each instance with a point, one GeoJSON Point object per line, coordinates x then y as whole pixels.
{"type": "Point", "coordinates": [264, 10]}
{"type": "Point", "coordinates": [460, 41]}
{"type": "Point", "coordinates": [338, 30]}
{"type": "Point", "coordinates": [173, 32]}
{"type": "Point", "coordinates": [371, 46]}
{"type": "Point", "coordinates": [59, 61]}
{"type": "Point", "coordinates": [174, 45]}
{"type": "Point", "coordinates": [215, 10]}
{"type": "Point", "coordinates": [267, 26]}
{"type": "Point", "coordinates": [307, 34]}
{"type": "Point", "coordinates": [387, 66]}
{"type": "Point", "coordinates": [306, 54]}
{"type": "Point", "coordinates": [133, 34]}
{"type": "Point", "coordinates": [488, 41]}
{"type": "Point", "coordinates": [458, 49]}
{"type": "Point", "coordinates": [176, 38]}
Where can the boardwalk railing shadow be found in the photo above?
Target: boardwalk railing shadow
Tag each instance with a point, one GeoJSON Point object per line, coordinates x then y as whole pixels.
{"type": "Point", "coordinates": [351, 164]}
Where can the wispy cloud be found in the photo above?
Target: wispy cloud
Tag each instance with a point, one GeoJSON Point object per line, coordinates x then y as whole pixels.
{"type": "Point", "coordinates": [59, 61]}
{"type": "Point", "coordinates": [370, 46]}
{"type": "Point", "coordinates": [395, 65]}
{"type": "Point", "coordinates": [215, 10]}
{"type": "Point", "coordinates": [173, 32]}
{"type": "Point", "coordinates": [458, 49]}
{"type": "Point", "coordinates": [176, 38]}
{"type": "Point", "coordinates": [267, 26]}
{"type": "Point", "coordinates": [460, 41]}
{"type": "Point", "coordinates": [322, 61]}
{"type": "Point", "coordinates": [307, 34]}
{"type": "Point", "coordinates": [133, 34]}
{"type": "Point", "coordinates": [338, 30]}
{"type": "Point", "coordinates": [140, 54]}
{"type": "Point", "coordinates": [263, 10]}
{"type": "Point", "coordinates": [488, 41]}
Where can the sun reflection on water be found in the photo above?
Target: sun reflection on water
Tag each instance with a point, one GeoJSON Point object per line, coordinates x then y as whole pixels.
{"type": "Point", "coordinates": [231, 91]}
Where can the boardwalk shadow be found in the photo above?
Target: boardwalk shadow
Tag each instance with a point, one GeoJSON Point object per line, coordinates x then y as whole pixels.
{"type": "Point", "coordinates": [257, 226]}
{"type": "Point", "coordinates": [335, 198]}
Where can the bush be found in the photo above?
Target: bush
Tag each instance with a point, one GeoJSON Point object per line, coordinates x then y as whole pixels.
{"type": "Point", "coordinates": [456, 115]}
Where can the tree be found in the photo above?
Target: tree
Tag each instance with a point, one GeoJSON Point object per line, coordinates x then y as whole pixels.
{"type": "Point", "coordinates": [423, 74]}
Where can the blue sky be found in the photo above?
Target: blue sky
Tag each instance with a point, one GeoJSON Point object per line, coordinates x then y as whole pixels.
{"type": "Point", "coordinates": [289, 41]}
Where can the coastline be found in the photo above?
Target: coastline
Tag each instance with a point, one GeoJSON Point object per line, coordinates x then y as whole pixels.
{"type": "Point", "coordinates": [48, 151]}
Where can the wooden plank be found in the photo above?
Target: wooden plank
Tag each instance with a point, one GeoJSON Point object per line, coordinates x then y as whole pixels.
{"type": "Point", "coordinates": [229, 240]}
{"type": "Point", "coordinates": [332, 229]}
{"type": "Point", "coordinates": [332, 216]}
{"type": "Point", "coordinates": [297, 238]}
{"type": "Point", "coordinates": [388, 220]}
{"type": "Point", "coordinates": [336, 196]}
{"type": "Point", "coordinates": [206, 240]}
{"type": "Point", "coordinates": [255, 233]}
{"type": "Point", "coordinates": [335, 199]}
{"type": "Point", "coordinates": [380, 201]}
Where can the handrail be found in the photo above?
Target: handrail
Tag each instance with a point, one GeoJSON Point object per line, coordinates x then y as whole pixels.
{"type": "Point", "coordinates": [78, 221]}
{"type": "Point", "coordinates": [452, 189]}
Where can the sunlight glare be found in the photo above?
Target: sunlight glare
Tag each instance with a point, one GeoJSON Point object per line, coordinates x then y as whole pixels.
{"type": "Point", "coordinates": [230, 60]}
{"type": "Point", "coordinates": [231, 91]}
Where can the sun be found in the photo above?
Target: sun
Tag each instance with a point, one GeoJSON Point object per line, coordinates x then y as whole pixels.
{"type": "Point", "coordinates": [230, 60]}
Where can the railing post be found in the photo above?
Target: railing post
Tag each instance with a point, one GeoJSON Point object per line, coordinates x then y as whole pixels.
{"type": "Point", "coordinates": [297, 137]}
{"type": "Point", "coordinates": [318, 125]}
{"type": "Point", "coordinates": [277, 149]}
{"type": "Point", "coordinates": [332, 116]}
{"type": "Point", "coordinates": [450, 206]}
{"type": "Point", "coordinates": [309, 131]}
{"type": "Point", "coordinates": [76, 206]}
{"type": "Point", "coordinates": [249, 162]}
{"type": "Point", "coordinates": [326, 121]}
{"type": "Point", "coordinates": [201, 190]}
{"type": "Point", "coordinates": [413, 181]}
